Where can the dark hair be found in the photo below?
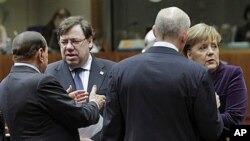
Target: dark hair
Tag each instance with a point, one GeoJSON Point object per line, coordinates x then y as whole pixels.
{"type": "Point", "coordinates": [69, 22]}
{"type": "Point", "coordinates": [246, 11]}
{"type": "Point", "coordinates": [62, 13]}
{"type": "Point", "coordinates": [26, 44]}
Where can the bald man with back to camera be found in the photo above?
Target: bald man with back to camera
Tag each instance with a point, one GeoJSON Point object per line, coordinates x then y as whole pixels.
{"type": "Point", "coordinates": [165, 96]}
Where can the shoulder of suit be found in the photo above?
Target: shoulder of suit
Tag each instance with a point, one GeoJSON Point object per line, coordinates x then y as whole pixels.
{"type": "Point", "coordinates": [230, 68]}
{"type": "Point", "coordinates": [54, 66]}
{"type": "Point", "coordinates": [104, 61]}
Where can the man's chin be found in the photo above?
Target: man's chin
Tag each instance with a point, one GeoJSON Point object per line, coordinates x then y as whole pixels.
{"type": "Point", "coordinates": [71, 62]}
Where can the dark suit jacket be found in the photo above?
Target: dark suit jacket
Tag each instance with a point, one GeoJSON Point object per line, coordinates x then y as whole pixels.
{"type": "Point", "coordinates": [61, 72]}
{"type": "Point", "coordinates": [230, 86]}
{"type": "Point", "coordinates": [160, 96]}
{"type": "Point", "coordinates": [37, 108]}
{"type": "Point", "coordinates": [2, 129]}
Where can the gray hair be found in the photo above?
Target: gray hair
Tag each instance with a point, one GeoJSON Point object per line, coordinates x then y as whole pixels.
{"type": "Point", "coordinates": [171, 22]}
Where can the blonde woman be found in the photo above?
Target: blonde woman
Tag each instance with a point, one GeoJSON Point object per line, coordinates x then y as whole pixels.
{"type": "Point", "coordinates": [202, 46]}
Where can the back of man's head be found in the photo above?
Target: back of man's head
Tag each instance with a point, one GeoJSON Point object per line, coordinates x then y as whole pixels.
{"type": "Point", "coordinates": [26, 44]}
{"type": "Point", "coordinates": [170, 23]}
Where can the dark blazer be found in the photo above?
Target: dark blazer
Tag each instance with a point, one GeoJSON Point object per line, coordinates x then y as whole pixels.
{"type": "Point", "coordinates": [2, 128]}
{"type": "Point", "coordinates": [37, 108]}
{"type": "Point", "coordinates": [160, 95]}
{"type": "Point", "coordinates": [230, 86]}
{"type": "Point", "coordinates": [98, 74]}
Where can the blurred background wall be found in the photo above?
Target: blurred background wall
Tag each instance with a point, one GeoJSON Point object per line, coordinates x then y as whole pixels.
{"type": "Point", "coordinates": [17, 15]}
{"type": "Point", "coordinates": [119, 19]}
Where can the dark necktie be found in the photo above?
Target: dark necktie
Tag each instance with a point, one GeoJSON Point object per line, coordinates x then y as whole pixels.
{"type": "Point", "coordinates": [77, 79]}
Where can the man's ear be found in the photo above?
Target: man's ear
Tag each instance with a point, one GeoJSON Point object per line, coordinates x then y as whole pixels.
{"type": "Point", "coordinates": [90, 42]}
{"type": "Point", "coordinates": [154, 30]}
{"type": "Point", "coordinates": [41, 55]}
{"type": "Point", "coordinates": [184, 37]}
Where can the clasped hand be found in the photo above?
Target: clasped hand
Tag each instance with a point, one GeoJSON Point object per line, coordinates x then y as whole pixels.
{"type": "Point", "coordinates": [81, 96]}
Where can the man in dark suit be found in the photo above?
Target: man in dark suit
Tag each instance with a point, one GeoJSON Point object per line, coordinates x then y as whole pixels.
{"type": "Point", "coordinates": [2, 124]}
{"type": "Point", "coordinates": [76, 40]}
{"type": "Point", "coordinates": [160, 95]}
{"type": "Point", "coordinates": [35, 106]}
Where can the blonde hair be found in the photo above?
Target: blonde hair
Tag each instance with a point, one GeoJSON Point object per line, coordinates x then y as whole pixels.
{"type": "Point", "coordinates": [201, 32]}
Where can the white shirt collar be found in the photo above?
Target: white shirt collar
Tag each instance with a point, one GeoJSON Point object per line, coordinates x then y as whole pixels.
{"type": "Point", "coordinates": [166, 44]}
{"type": "Point", "coordinates": [28, 65]}
{"type": "Point", "coordinates": [87, 65]}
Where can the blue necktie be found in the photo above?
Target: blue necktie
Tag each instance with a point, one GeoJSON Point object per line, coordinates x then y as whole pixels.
{"type": "Point", "coordinates": [77, 79]}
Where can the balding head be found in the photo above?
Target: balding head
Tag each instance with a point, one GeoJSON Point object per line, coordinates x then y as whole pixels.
{"type": "Point", "coordinates": [170, 23]}
{"type": "Point", "coordinates": [26, 44]}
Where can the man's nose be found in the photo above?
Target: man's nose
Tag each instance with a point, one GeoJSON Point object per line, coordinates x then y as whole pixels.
{"type": "Point", "coordinates": [69, 45]}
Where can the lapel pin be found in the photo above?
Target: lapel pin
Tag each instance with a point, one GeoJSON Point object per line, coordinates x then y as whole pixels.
{"type": "Point", "coordinates": [101, 73]}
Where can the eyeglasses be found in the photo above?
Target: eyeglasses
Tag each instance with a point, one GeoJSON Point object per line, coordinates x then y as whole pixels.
{"type": "Point", "coordinates": [73, 42]}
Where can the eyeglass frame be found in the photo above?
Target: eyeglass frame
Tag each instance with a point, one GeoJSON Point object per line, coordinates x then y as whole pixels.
{"type": "Point", "coordinates": [74, 42]}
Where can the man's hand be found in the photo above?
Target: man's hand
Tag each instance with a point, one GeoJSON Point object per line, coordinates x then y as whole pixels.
{"type": "Point", "coordinates": [80, 96]}
{"type": "Point", "coordinates": [99, 99]}
{"type": "Point", "coordinates": [70, 89]}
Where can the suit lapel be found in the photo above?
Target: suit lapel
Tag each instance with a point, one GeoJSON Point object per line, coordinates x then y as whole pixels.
{"type": "Point", "coordinates": [97, 74]}
{"type": "Point", "coordinates": [64, 76]}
